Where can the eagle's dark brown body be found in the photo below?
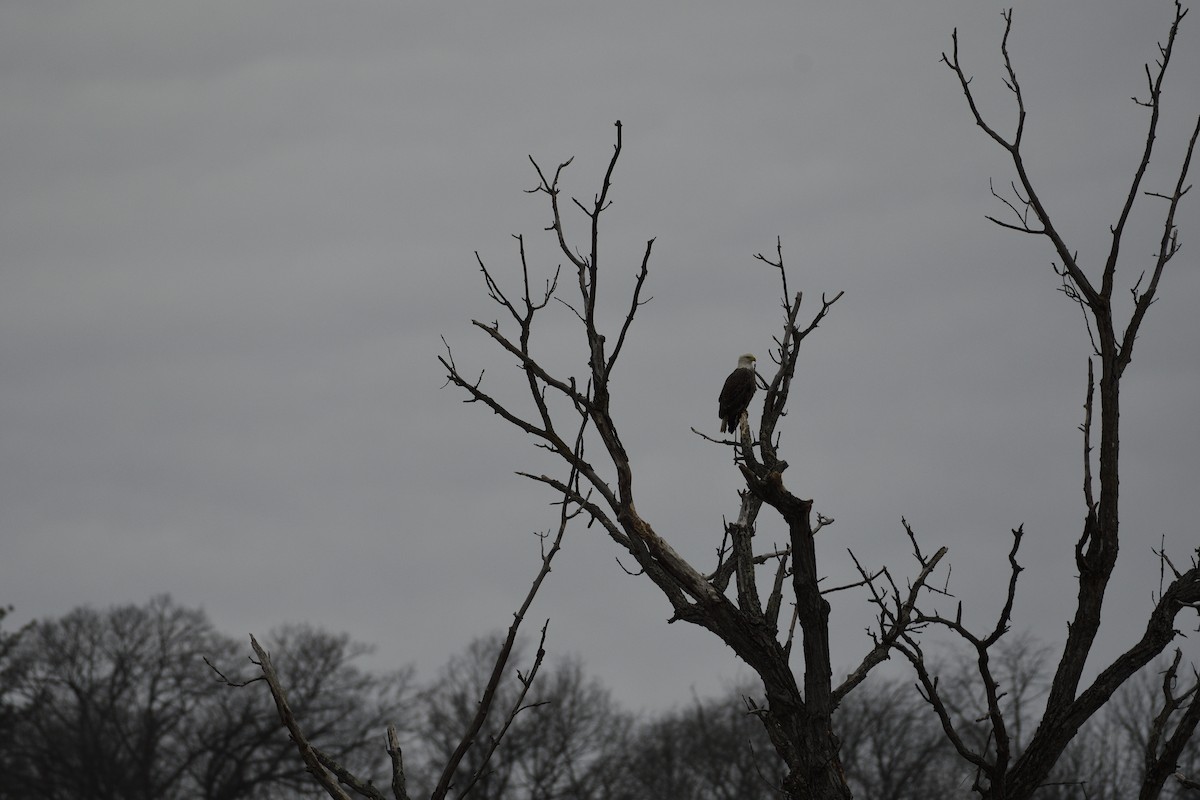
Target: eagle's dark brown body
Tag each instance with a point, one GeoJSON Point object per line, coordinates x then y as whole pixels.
{"type": "Point", "coordinates": [735, 397]}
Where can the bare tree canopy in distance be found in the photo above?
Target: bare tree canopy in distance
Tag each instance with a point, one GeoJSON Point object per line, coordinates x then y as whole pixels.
{"type": "Point", "coordinates": [577, 742]}
{"type": "Point", "coordinates": [119, 703]}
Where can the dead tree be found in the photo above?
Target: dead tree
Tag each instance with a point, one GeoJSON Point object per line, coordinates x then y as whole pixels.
{"type": "Point", "coordinates": [797, 712]}
{"type": "Point", "coordinates": [1001, 771]}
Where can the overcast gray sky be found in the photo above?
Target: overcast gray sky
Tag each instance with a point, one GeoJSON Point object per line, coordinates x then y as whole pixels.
{"type": "Point", "coordinates": [233, 233]}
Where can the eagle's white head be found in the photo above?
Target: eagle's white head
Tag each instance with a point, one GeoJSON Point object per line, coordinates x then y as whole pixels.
{"type": "Point", "coordinates": [746, 361]}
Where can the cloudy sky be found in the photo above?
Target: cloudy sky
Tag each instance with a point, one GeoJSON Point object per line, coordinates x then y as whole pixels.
{"type": "Point", "coordinates": [234, 233]}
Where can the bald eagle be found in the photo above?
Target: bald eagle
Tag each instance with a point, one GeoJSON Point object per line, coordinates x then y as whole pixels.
{"type": "Point", "coordinates": [736, 393]}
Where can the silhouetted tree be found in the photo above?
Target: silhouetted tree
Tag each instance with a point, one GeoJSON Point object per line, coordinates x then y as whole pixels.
{"type": "Point", "coordinates": [1005, 765]}
{"type": "Point", "coordinates": [711, 749]}
{"type": "Point", "coordinates": [893, 747]}
{"type": "Point", "coordinates": [119, 705]}
{"type": "Point", "coordinates": [12, 671]}
{"type": "Point", "coordinates": [796, 710]}
{"type": "Point", "coordinates": [564, 746]}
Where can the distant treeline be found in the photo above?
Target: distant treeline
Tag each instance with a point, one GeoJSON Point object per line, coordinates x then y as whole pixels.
{"type": "Point", "coordinates": [134, 703]}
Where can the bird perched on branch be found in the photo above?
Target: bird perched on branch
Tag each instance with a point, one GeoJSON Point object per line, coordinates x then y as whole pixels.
{"type": "Point", "coordinates": [736, 393]}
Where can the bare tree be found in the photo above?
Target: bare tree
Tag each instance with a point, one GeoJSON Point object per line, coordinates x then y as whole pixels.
{"type": "Point", "coordinates": [892, 745]}
{"type": "Point", "coordinates": [795, 710]}
{"type": "Point", "coordinates": [566, 746]}
{"type": "Point", "coordinates": [571, 749]}
{"type": "Point", "coordinates": [709, 749]}
{"type": "Point", "coordinates": [1002, 768]}
{"type": "Point", "coordinates": [119, 704]}
{"type": "Point", "coordinates": [1138, 745]}
{"type": "Point", "coordinates": [14, 667]}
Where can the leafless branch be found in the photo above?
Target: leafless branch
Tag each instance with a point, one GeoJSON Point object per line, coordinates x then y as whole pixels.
{"type": "Point", "coordinates": [866, 581]}
{"type": "Point", "coordinates": [311, 762]}
{"type": "Point", "coordinates": [1154, 84]}
{"type": "Point", "coordinates": [725, 569]}
{"type": "Point", "coordinates": [927, 685]}
{"type": "Point", "coordinates": [517, 707]}
{"type": "Point", "coordinates": [1186, 782]}
{"type": "Point", "coordinates": [399, 780]}
{"type": "Point", "coordinates": [231, 683]}
{"type": "Point", "coordinates": [777, 264]}
{"type": "Point", "coordinates": [1030, 198]}
{"type": "Point", "coordinates": [1015, 569]}
{"type": "Point", "coordinates": [1169, 243]}
{"type": "Point", "coordinates": [775, 599]}
{"type": "Point", "coordinates": [897, 617]}
{"type": "Point", "coordinates": [1086, 428]}
{"type": "Point", "coordinates": [498, 667]}
{"type": "Point", "coordinates": [1164, 745]}
{"type": "Point", "coordinates": [346, 777]}
{"type": "Point", "coordinates": [634, 303]}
